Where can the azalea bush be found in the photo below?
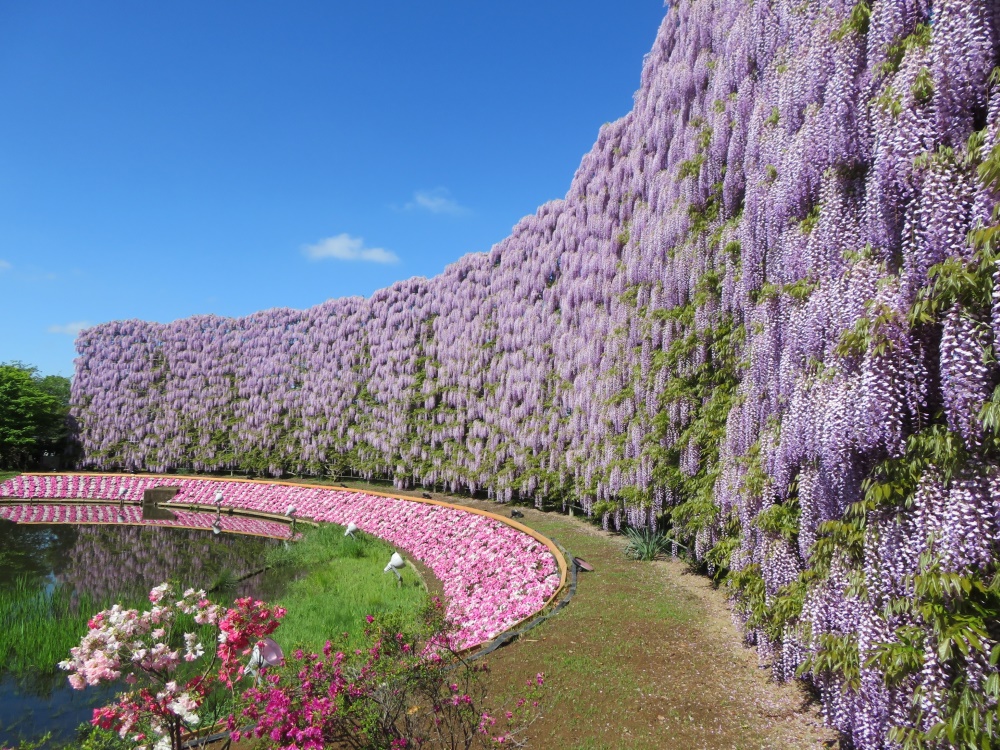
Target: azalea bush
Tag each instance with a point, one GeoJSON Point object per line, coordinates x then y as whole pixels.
{"type": "Point", "coordinates": [408, 689]}
{"type": "Point", "coordinates": [186, 658]}
{"type": "Point", "coordinates": [161, 654]}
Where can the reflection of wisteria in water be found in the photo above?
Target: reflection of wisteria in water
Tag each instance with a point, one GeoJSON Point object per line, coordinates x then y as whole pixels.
{"type": "Point", "coordinates": [94, 513]}
{"type": "Point", "coordinates": [111, 562]}
{"type": "Point", "coordinates": [115, 561]}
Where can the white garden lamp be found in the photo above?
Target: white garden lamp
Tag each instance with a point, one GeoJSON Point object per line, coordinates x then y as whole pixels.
{"type": "Point", "coordinates": [396, 564]}
{"type": "Point", "coordinates": [267, 653]}
{"type": "Point", "coordinates": [121, 504]}
{"type": "Point", "coordinates": [291, 514]}
{"type": "Point", "coordinates": [217, 523]}
{"type": "Point", "coordinates": [351, 528]}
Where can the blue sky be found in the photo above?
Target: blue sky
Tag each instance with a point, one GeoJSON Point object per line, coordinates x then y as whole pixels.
{"type": "Point", "coordinates": [171, 159]}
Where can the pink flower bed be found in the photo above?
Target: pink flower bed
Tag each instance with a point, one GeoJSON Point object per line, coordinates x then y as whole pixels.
{"type": "Point", "coordinates": [493, 575]}
{"type": "Point", "coordinates": [41, 513]}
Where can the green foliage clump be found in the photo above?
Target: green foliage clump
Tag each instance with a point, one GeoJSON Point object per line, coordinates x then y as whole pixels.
{"type": "Point", "coordinates": [90, 737]}
{"type": "Point", "coordinates": [29, 744]}
{"type": "Point", "coordinates": [691, 167]}
{"type": "Point", "coordinates": [894, 54]}
{"type": "Point", "coordinates": [781, 519]}
{"type": "Point", "coordinates": [810, 220]}
{"type": "Point", "coordinates": [923, 86]}
{"type": "Point", "coordinates": [856, 23]}
{"type": "Point", "coordinates": [34, 413]}
{"type": "Point", "coordinates": [646, 544]}
{"type": "Point", "coordinates": [623, 237]}
{"type": "Point", "coordinates": [889, 101]}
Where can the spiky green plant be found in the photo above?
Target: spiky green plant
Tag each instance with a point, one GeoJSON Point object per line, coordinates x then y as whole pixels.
{"type": "Point", "coordinates": [646, 544]}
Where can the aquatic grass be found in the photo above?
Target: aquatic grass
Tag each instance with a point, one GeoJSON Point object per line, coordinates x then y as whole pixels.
{"type": "Point", "coordinates": [224, 581]}
{"type": "Point", "coordinates": [342, 583]}
{"type": "Point", "coordinates": [38, 626]}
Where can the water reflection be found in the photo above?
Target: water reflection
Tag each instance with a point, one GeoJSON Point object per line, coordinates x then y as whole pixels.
{"type": "Point", "coordinates": [33, 552]}
{"type": "Point", "coordinates": [112, 561]}
{"type": "Point", "coordinates": [27, 712]}
{"type": "Point", "coordinates": [108, 563]}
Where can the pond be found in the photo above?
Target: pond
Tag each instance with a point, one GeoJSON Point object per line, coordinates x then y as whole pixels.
{"type": "Point", "coordinates": [53, 577]}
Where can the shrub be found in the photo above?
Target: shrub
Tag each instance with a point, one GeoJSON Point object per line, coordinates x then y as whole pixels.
{"type": "Point", "coordinates": [168, 688]}
{"type": "Point", "coordinates": [409, 688]}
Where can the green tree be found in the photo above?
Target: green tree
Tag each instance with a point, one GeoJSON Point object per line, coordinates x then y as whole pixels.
{"type": "Point", "coordinates": [33, 415]}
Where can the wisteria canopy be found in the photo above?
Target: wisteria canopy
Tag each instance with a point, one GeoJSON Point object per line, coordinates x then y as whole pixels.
{"type": "Point", "coordinates": [764, 312]}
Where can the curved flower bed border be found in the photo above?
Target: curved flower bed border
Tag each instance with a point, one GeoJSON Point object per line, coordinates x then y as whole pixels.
{"type": "Point", "coordinates": [496, 573]}
{"type": "Point", "coordinates": [104, 514]}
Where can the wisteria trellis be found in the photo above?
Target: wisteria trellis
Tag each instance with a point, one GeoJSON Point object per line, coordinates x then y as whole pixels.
{"type": "Point", "coordinates": [717, 318]}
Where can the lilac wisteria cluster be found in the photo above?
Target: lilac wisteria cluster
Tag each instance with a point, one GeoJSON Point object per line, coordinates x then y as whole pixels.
{"type": "Point", "coordinates": [716, 320]}
{"type": "Point", "coordinates": [492, 574]}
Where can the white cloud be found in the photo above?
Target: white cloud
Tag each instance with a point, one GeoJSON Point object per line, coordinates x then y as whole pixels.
{"type": "Point", "coordinates": [436, 201]}
{"type": "Point", "coordinates": [5, 266]}
{"type": "Point", "coordinates": [70, 329]}
{"type": "Point", "coordinates": [345, 247]}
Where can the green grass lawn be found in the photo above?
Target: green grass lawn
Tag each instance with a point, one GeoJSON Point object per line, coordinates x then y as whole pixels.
{"type": "Point", "coordinates": [339, 581]}
{"type": "Point", "coordinates": [646, 657]}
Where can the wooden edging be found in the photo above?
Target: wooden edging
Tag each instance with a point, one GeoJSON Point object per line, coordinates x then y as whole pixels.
{"type": "Point", "coordinates": [553, 549]}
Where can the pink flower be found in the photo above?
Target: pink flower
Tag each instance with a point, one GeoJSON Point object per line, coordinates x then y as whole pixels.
{"type": "Point", "coordinates": [493, 575]}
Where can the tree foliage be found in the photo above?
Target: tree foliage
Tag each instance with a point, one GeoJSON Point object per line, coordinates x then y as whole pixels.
{"type": "Point", "coordinates": [34, 413]}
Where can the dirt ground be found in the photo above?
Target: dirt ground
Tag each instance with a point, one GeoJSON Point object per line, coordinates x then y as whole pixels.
{"type": "Point", "coordinates": [647, 656]}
